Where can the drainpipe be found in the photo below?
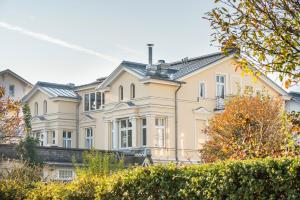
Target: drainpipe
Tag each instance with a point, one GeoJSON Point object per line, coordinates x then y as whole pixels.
{"type": "Point", "coordinates": [176, 122]}
{"type": "Point", "coordinates": [77, 125]}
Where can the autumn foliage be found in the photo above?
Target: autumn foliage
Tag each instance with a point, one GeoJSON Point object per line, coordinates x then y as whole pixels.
{"type": "Point", "coordinates": [249, 127]}
{"type": "Point", "coordinates": [9, 116]}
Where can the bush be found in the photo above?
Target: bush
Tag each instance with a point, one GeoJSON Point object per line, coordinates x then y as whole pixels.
{"type": "Point", "coordinates": [250, 179]}
{"type": "Point", "coordinates": [16, 182]}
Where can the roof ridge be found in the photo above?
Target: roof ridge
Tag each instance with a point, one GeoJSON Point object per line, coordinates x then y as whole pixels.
{"type": "Point", "coordinates": [16, 76]}
{"type": "Point", "coordinates": [54, 84]}
{"type": "Point", "coordinates": [131, 62]}
{"type": "Point", "coordinates": [201, 57]}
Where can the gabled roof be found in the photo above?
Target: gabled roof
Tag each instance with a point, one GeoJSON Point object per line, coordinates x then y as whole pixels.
{"type": "Point", "coordinates": [194, 64]}
{"type": "Point", "coordinates": [8, 71]}
{"type": "Point", "coordinates": [53, 90]}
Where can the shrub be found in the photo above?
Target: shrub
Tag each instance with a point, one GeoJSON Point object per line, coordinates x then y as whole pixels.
{"type": "Point", "coordinates": [17, 181]}
{"type": "Point", "coordinates": [248, 179]}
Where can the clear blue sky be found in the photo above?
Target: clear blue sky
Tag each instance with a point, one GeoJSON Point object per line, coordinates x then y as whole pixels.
{"type": "Point", "coordinates": [78, 41]}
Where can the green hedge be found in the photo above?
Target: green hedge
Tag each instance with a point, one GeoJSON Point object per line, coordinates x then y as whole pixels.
{"type": "Point", "coordinates": [252, 179]}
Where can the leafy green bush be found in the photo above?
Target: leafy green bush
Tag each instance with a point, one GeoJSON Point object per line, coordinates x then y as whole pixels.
{"type": "Point", "coordinates": [18, 180]}
{"type": "Point", "coordinates": [250, 179]}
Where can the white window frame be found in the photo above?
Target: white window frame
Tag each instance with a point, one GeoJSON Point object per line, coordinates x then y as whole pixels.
{"type": "Point", "coordinates": [36, 108]}
{"type": "Point", "coordinates": [126, 129]}
{"type": "Point", "coordinates": [89, 137]}
{"type": "Point", "coordinates": [65, 174]}
{"type": "Point", "coordinates": [200, 89]}
{"type": "Point", "coordinates": [162, 128]}
{"type": "Point", "coordinates": [132, 91]}
{"type": "Point", "coordinates": [53, 134]}
{"type": "Point", "coordinates": [12, 92]}
{"type": "Point", "coordinates": [143, 127]}
{"type": "Point", "coordinates": [121, 93]}
{"type": "Point", "coordinates": [67, 141]}
{"type": "Point", "coordinates": [45, 107]}
{"type": "Point", "coordinates": [221, 84]}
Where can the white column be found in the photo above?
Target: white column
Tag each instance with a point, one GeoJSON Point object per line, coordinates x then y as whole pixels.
{"type": "Point", "coordinates": [45, 138]}
{"type": "Point", "coordinates": [134, 132]}
{"type": "Point", "coordinates": [115, 134]}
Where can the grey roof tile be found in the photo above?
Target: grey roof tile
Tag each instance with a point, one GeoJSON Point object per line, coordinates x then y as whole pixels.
{"type": "Point", "coordinates": [58, 90]}
{"type": "Point", "coordinates": [177, 69]}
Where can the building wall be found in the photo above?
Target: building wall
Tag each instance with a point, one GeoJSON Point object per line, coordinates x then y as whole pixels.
{"type": "Point", "coordinates": [20, 88]}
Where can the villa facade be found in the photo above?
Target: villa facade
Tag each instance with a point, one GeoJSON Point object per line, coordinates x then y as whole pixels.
{"type": "Point", "coordinates": [160, 108]}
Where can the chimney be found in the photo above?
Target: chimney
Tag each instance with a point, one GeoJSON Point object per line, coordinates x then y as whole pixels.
{"type": "Point", "coordinates": [150, 53]}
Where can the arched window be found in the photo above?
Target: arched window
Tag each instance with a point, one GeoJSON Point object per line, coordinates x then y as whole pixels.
{"type": "Point", "coordinates": [45, 107]}
{"type": "Point", "coordinates": [36, 108]}
{"type": "Point", "coordinates": [132, 91]}
{"type": "Point", "coordinates": [121, 97]}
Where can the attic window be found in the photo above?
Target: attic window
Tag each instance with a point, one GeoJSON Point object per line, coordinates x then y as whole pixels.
{"type": "Point", "coordinates": [45, 107]}
{"type": "Point", "coordinates": [121, 97]}
{"type": "Point", "coordinates": [132, 91]}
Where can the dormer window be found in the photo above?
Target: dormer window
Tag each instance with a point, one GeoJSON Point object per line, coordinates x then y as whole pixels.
{"type": "Point", "coordinates": [132, 91]}
{"type": "Point", "coordinates": [45, 107]}
{"type": "Point", "coordinates": [121, 97]}
{"type": "Point", "coordinates": [36, 109]}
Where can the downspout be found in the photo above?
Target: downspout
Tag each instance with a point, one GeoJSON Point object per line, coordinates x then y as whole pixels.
{"type": "Point", "coordinates": [77, 125]}
{"type": "Point", "coordinates": [176, 122]}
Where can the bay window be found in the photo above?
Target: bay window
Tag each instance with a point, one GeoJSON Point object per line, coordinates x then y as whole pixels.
{"type": "Point", "coordinates": [67, 139]}
{"type": "Point", "coordinates": [125, 126]}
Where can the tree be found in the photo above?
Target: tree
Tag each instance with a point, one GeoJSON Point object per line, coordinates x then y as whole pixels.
{"type": "Point", "coordinates": [27, 119]}
{"type": "Point", "coordinates": [9, 116]}
{"type": "Point", "coordinates": [267, 33]}
{"type": "Point", "coordinates": [27, 150]}
{"type": "Point", "coordinates": [249, 127]}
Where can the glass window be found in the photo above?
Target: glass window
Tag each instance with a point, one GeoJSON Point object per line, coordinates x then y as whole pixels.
{"type": "Point", "coordinates": [220, 86]}
{"type": "Point", "coordinates": [65, 174]}
{"type": "Point", "coordinates": [36, 108]}
{"type": "Point", "coordinates": [53, 137]}
{"type": "Point", "coordinates": [144, 132]}
{"type": "Point", "coordinates": [92, 101]}
{"type": "Point", "coordinates": [121, 97]}
{"type": "Point", "coordinates": [89, 138]}
{"type": "Point", "coordinates": [99, 100]}
{"type": "Point", "coordinates": [125, 133]}
{"type": "Point", "coordinates": [86, 102]}
{"type": "Point", "coordinates": [160, 132]}
{"type": "Point", "coordinates": [11, 90]}
{"type": "Point", "coordinates": [132, 91]}
{"type": "Point", "coordinates": [45, 106]}
{"type": "Point", "coordinates": [202, 90]}
{"type": "Point", "coordinates": [103, 98]}
{"type": "Point", "coordinates": [67, 139]}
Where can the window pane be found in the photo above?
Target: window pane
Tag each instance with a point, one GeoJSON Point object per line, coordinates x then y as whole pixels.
{"type": "Point", "coordinates": [64, 134]}
{"type": "Point", "coordinates": [129, 123]}
{"type": "Point", "coordinates": [144, 136]}
{"type": "Point", "coordinates": [92, 101]}
{"type": "Point", "coordinates": [144, 122]}
{"type": "Point", "coordinates": [69, 144]}
{"type": "Point", "coordinates": [123, 139]}
{"type": "Point", "coordinates": [86, 102]}
{"type": "Point", "coordinates": [103, 98]}
{"type": "Point", "coordinates": [99, 100]}
{"type": "Point", "coordinates": [123, 123]}
{"type": "Point", "coordinates": [129, 138]}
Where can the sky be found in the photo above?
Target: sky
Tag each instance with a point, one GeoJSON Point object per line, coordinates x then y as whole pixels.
{"type": "Point", "coordinates": [77, 41]}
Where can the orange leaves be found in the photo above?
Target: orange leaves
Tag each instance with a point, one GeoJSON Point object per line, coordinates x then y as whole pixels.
{"type": "Point", "coordinates": [9, 115]}
{"type": "Point", "coordinates": [250, 126]}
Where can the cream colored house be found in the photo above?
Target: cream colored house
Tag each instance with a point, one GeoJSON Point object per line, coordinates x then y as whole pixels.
{"type": "Point", "coordinates": [160, 108]}
{"type": "Point", "coordinates": [15, 86]}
